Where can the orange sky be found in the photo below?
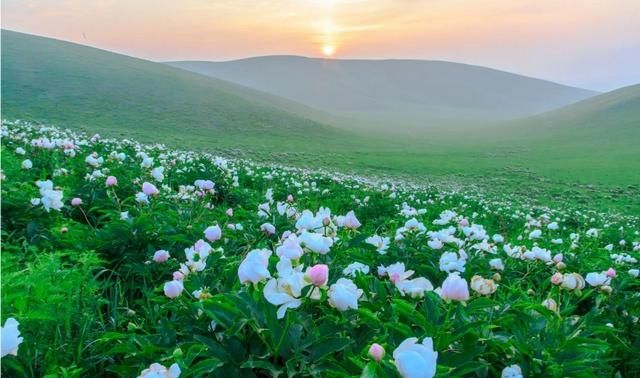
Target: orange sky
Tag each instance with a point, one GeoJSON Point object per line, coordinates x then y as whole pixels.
{"type": "Point", "coordinates": [594, 44]}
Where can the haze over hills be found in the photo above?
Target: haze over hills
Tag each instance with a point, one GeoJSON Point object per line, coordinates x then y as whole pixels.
{"type": "Point", "coordinates": [54, 81]}
{"type": "Point", "coordinates": [594, 141]}
{"type": "Point", "coordinates": [395, 92]}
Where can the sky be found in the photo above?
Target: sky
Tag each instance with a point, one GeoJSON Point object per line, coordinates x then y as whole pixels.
{"type": "Point", "coordinates": [593, 44]}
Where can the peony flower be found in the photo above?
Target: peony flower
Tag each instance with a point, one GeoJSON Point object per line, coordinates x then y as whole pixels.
{"type": "Point", "coordinates": [254, 267]}
{"type": "Point", "coordinates": [173, 289]}
{"type": "Point", "coordinates": [512, 371]}
{"type": "Point", "coordinates": [290, 248]}
{"type": "Point", "coordinates": [598, 279]}
{"type": "Point", "coordinates": [268, 228]}
{"type": "Point", "coordinates": [435, 244]}
{"type": "Point", "coordinates": [535, 234]}
{"type": "Point", "coordinates": [397, 272]}
{"type": "Point", "coordinates": [573, 281]}
{"type": "Point", "coordinates": [158, 371]}
{"type": "Point", "coordinates": [20, 151]}
{"type": "Point", "coordinates": [350, 221]}
{"type": "Point", "coordinates": [286, 290]}
{"type": "Point", "coordinates": [634, 272]}
{"type": "Point", "coordinates": [76, 202]}
{"type": "Point", "coordinates": [111, 181]}
{"type": "Point", "coordinates": [10, 339]}
{"type": "Point", "coordinates": [557, 278]}
{"type": "Point", "coordinates": [376, 351]}
{"type": "Point", "coordinates": [142, 198]}
{"type": "Point", "coordinates": [449, 261]}
{"type": "Point", "coordinates": [161, 256]}
{"type": "Point", "coordinates": [354, 268]}
{"type": "Point", "coordinates": [381, 243]}
{"type": "Point", "coordinates": [455, 288]}
{"type": "Point", "coordinates": [197, 256]}
{"type": "Point", "coordinates": [149, 189]}
{"type": "Point", "coordinates": [229, 212]}
{"type": "Point", "coordinates": [415, 288]}
{"type": "Point", "coordinates": [344, 295]}
{"type": "Point", "coordinates": [213, 233]}
{"type": "Point", "coordinates": [496, 264]}
{"type": "Point", "coordinates": [27, 164]}
{"type": "Point", "coordinates": [550, 304]}
{"type": "Point", "coordinates": [318, 274]}
{"type": "Point", "coordinates": [415, 360]}
{"type": "Point", "coordinates": [483, 286]}
{"type": "Point", "coordinates": [158, 173]}
{"type": "Point", "coordinates": [51, 199]}
{"type": "Point", "coordinates": [316, 242]}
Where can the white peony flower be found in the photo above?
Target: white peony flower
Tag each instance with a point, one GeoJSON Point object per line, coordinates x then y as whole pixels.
{"type": "Point", "coordinates": [316, 242]}
{"type": "Point", "coordinates": [344, 295]}
{"type": "Point", "coordinates": [415, 360]}
{"type": "Point", "coordinates": [381, 243]}
{"type": "Point", "coordinates": [512, 371]}
{"type": "Point", "coordinates": [10, 339]}
{"type": "Point", "coordinates": [254, 267]}
{"type": "Point", "coordinates": [285, 291]}
{"type": "Point", "coordinates": [159, 371]}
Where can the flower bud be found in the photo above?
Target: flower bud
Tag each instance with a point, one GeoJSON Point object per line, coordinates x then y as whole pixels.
{"type": "Point", "coordinates": [376, 352]}
{"type": "Point", "coordinates": [318, 274]}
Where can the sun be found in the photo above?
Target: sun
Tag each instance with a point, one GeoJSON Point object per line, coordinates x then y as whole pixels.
{"type": "Point", "coordinates": [328, 50]}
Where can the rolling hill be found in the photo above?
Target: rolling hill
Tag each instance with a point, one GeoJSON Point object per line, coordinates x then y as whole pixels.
{"type": "Point", "coordinates": [55, 82]}
{"type": "Point", "coordinates": [550, 155]}
{"type": "Point", "coordinates": [395, 93]}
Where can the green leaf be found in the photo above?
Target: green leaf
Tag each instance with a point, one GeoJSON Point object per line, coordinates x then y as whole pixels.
{"type": "Point", "coordinates": [203, 367]}
{"type": "Point", "coordinates": [328, 346]}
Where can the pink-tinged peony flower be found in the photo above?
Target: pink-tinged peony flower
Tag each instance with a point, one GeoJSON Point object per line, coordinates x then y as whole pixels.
{"type": "Point", "coordinates": [289, 198]}
{"type": "Point", "coordinates": [455, 288]}
{"type": "Point", "coordinates": [350, 221]}
{"type": "Point", "coordinates": [463, 222]}
{"type": "Point", "coordinates": [557, 278]}
{"type": "Point", "coordinates": [161, 256]}
{"type": "Point", "coordinates": [173, 289]}
{"type": "Point", "coordinates": [111, 181]}
{"type": "Point", "coordinates": [149, 189]}
{"type": "Point", "coordinates": [611, 273]}
{"type": "Point", "coordinates": [229, 212]}
{"type": "Point", "coordinates": [178, 275]}
{"type": "Point", "coordinates": [376, 351]}
{"type": "Point", "coordinates": [76, 202]}
{"type": "Point", "coordinates": [213, 233]}
{"type": "Point", "coordinates": [318, 274]}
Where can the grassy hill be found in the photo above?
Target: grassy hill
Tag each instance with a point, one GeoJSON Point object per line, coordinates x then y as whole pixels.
{"type": "Point", "coordinates": [59, 82]}
{"type": "Point", "coordinates": [586, 152]}
{"type": "Point", "coordinates": [395, 93]}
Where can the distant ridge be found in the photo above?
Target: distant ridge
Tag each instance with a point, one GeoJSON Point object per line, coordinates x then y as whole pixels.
{"type": "Point", "coordinates": [417, 92]}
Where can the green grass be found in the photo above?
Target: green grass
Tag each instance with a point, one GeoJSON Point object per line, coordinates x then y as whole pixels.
{"type": "Point", "coordinates": [585, 153]}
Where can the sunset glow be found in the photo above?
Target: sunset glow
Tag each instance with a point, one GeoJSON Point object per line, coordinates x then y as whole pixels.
{"type": "Point", "coordinates": [522, 36]}
{"type": "Point", "coordinates": [328, 50]}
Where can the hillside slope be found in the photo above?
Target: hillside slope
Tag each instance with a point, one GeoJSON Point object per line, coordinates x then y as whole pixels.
{"type": "Point", "coordinates": [415, 92]}
{"type": "Point", "coordinates": [59, 82]}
